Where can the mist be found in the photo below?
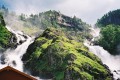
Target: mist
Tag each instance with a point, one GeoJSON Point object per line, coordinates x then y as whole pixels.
{"type": "Point", "coordinates": [88, 10]}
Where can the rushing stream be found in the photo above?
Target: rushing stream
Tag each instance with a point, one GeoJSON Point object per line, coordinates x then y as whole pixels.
{"type": "Point", "coordinates": [113, 62]}
{"type": "Point", "coordinates": [12, 57]}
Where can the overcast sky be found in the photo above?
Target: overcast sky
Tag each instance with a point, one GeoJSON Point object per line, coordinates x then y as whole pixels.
{"type": "Point", "coordinates": [88, 10]}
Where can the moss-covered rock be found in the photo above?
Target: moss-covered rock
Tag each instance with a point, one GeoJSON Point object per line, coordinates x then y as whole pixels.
{"type": "Point", "coordinates": [52, 55]}
{"type": "Point", "coordinates": [5, 36]}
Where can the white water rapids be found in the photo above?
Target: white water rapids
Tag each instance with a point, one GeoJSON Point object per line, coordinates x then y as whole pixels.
{"type": "Point", "coordinates": [12, 57]}
{"type": "Point", "coordinates": [113, 62]}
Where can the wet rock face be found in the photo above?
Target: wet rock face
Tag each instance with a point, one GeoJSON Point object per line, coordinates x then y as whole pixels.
{"type": "Point", "coordinates": [14, 63]}
{"type": "Point", "coordinates": [3, 59]}
{"type": "Point", "coordinates": [13, 41]}
{"type": "Point", "coordinates": [62, 59]}
{"type": "Point", "coordinates": [21, 41]}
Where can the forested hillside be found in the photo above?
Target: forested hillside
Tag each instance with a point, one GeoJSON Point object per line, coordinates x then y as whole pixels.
{"type": "Point", "coordinates": [112, 17]}
{"type": "Point", "coordinates": [110, 31]}
{"type": "Point", "coordinates": [74, 27]}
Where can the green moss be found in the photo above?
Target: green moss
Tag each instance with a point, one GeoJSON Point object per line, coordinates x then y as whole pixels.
{"type": "Point", "coordinates": [60, 57]}
{"type": "Point", "coordinates": [37, 53]}
{"type": "Point", "coordinates": [108, 78]}
{"type": "Point", "coordinates": [40, 39]}
{"type": "Point", "coordinates": [83, 61]}
{"type": "Point", "coordinates": [5, 35]}
{"type": "Point", "coordinates": [59, 75]}
{"type": "Point", "coordinates": [86, 76]}
{"type": "Point", "coordinates": [44, 46]}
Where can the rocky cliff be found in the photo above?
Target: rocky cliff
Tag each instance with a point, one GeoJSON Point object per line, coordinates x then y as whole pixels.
{"type": "Point", "coordinates": [54, 56]}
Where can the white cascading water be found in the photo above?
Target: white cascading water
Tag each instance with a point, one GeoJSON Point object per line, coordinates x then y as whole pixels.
{"type": "Point", "coordinates": [12, 57]}
{"type": "Point", "coordinates": [113, 62]}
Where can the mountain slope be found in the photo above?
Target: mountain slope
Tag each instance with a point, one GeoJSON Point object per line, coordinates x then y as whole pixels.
{"type": "Point", "coordinates": [5, 36]}
{"type": "Point", "coordinates": [56, 19]}
{"type": "Point", "coordinates": [35, 24]}
{"type": "Point", "coordinates": [71, 26]}
{"type": "Point", "coordinates": [53, 55]}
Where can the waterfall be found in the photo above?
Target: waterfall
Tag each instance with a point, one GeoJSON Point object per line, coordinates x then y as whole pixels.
{"type": "Point", "coordinates": [113, 62]}
{"type": "Point", "coordinates": [12, 57]}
